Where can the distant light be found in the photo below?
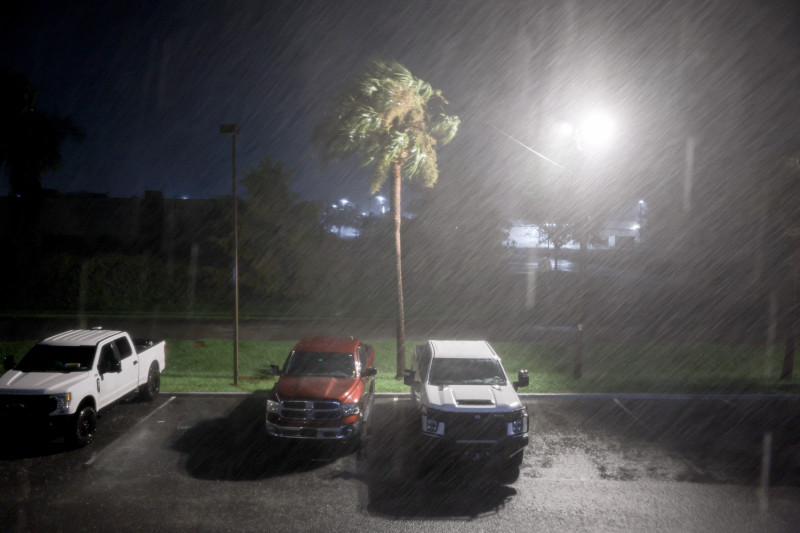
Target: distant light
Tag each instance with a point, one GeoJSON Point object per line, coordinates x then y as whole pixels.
{"type": "Point", "coordinates": [184, 197]}
{"type": "Point", "coordinates": [363, 214]}
{"type": "Point", "coordinates": [381, 199]}
{"type": "Point", "coordinates": [636, 226]}
{"type": "Point", "coordinates": [344, 201]}
{"type": "Point", "coordinates": [641, 202]}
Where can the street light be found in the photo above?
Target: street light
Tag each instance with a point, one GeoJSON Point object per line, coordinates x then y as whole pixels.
{"type": "Point", "coordinates": [596, 131]}
{"type": "Point", "coordinates": [233, 131]}
{"type": "Point", "coordinates": [381, 202]}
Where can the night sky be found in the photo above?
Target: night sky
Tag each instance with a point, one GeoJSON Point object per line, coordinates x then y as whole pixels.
{"type": "Point", "coordinates": [150, 82]}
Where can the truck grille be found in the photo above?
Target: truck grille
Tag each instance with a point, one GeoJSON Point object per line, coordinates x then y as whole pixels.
{"type": "Point", "coordinates": [22, 405]}
{"type": "Point", "coordinates": [475, 426]}
{"type": "Point", "coordinates": [311, 409]}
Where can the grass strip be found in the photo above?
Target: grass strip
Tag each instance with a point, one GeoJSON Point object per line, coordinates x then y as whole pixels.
{"type": "Point", "coordinates": [207, 366]}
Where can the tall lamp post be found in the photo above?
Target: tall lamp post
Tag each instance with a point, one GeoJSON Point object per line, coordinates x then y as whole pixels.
{"type": "Point", "coordinates": [233, 131]}
{"type": "Point", "coordinates": [595, 132]}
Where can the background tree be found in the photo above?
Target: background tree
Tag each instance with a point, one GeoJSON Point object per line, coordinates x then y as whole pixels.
{"type": "Point", "coordinates": [30, 143]}
{"type": "Point", "coordinates": [30, 140]}
{"type": "Point", "coordinates": [557, 233]}
{"type": "Point", "coordinates": [383, 118]}
{"type": "Point", "coordinates": [279, 234]}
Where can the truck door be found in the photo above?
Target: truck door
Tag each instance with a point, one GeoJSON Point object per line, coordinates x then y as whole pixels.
{"type": "Point", "coordinates": [129, 361]}
{"type": "Point", "coordinates": [109, 380]}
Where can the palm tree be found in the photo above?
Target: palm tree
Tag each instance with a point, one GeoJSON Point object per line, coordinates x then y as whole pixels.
{"type": "Point", "coordinates": [383, 117]}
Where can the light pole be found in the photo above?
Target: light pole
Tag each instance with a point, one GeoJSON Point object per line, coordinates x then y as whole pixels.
{"type": "Point", "coordinates": [642, 208]}
{"type": "Point", "coordinates": [233, 131]}
{"type": "Point", "coordinates": [595, 132]}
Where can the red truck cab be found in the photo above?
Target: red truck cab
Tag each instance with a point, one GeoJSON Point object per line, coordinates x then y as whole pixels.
{"type": "Point", "coordinates": [324, 391]}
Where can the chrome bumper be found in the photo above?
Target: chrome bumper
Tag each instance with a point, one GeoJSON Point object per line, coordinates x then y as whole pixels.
{"type": "Point", "coordinates": [314, 433]}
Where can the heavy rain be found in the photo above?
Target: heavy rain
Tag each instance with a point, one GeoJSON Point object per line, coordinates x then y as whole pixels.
{"type": "Point", "coordinates": [605, 192]}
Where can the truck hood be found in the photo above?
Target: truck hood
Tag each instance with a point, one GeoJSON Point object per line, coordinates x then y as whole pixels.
{"type": "Point", "coordinates": [15, 382]}
{"type": "Point", "coordinates": [472, 397]}
{"type": "Point", "coordinates": [342, 389]}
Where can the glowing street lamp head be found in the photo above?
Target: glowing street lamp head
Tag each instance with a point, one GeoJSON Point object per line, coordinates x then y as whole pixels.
{"type": "Point", "coordinates": [565, 129]}
{"type": "Point", "coordinates": [344, 201]}
{"type": "Point", "coordinates": [597, 130]}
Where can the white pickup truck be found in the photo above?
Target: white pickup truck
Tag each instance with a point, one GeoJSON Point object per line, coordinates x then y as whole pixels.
{"type": "Point", "coordinates": [64, 380]}
{"type": "Point", "coordinates": [467, 406]}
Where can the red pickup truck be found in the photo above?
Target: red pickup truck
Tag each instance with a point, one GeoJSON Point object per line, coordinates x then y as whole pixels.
{"type": "Point", "coordinates": [324, 391]}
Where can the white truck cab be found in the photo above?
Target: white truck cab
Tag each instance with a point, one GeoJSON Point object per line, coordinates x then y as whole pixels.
{"type": "Point", "coordinates": [64, 380]}
{"type": "Point", "coordinates": [465, 402]}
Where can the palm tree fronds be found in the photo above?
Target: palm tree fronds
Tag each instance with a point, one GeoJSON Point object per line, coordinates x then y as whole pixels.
{"type": "Point", "coordinates": [444, 127]}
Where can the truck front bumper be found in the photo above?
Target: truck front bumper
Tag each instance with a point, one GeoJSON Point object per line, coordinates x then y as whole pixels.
{"type": "Point", "coordinates": [342, 432]}
{"type": "Point", "coordinates": [476, 450]}
{"type": "Point", "coordinates": [35, 427]}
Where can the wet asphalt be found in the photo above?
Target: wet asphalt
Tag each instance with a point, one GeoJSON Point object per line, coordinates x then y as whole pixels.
{"type": "Point", "coordinates": [594, 463]}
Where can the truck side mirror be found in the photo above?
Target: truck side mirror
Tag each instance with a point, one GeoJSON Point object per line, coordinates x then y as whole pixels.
{"type": "Point", "coordinates": [369, 372]}
{"type": "Point", "coordinates": [8, 362]}
{"type": "Point", "coordinates": [408, 378]}
{"type": "Point", "coordinates": [275, 370]}
{"type": "Point", "coordinates": [522, 379]}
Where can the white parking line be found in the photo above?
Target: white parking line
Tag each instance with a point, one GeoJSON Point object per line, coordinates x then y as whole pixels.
{"type": "Point", "coordinates": [95, 456]}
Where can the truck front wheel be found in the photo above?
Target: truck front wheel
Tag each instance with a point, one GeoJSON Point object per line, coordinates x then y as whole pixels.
{"type": "Point", "coordinates": [83, 427]}
{"type": "Point", "coordinates": [150, 390]}
{"type": "Point", "coordinates": [509, 472]}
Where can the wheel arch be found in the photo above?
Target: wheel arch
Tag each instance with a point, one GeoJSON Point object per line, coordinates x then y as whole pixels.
{"type": "Point", "coordinates": [87, 401]}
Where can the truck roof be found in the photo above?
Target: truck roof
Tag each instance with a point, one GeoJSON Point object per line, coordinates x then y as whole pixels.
{"type": "Point", "coordinates": [80, 337]}
{"type": "Point", "coordinates": [328, 344]}
{"type": "Point", "coordinates": [462, 349]}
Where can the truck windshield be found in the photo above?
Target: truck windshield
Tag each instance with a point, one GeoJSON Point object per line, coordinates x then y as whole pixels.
{"type": "Point", "coordinates": [48, 358]}
{"type": "Point", "coordinates": [452, 371]}
{"type": "Point", "coordinates": [340, 365]}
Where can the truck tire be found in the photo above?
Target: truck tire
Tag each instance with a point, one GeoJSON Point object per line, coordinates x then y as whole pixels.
{"type": "Point", "coordinates": [509, 472]}
{"type": "Point", "coordinates": [83, 427]}
{"type": "Point", "coordinates": [149, 391]}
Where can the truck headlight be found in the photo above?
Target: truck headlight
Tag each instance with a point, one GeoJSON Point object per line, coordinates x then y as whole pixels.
{"type": "Point", "coordinates": [431, 422]}
{"type": "Point", "coordinates": [62, 402]}
{"type": "Point", "coordinates": [273, 407]}
{"type": "Point", "coordinates": [519, 424]}
{"type": "Point", "coordinates": [431, 425]}
{"type": "Point", "coordinates": [350, 409]}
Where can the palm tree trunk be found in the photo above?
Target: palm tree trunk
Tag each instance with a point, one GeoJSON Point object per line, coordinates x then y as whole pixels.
{"type": "Point", "coordinates": [397, 216]}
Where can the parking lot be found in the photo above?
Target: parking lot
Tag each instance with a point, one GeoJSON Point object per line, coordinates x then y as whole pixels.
{"type": "Point", "coordinates": [203, 463]}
